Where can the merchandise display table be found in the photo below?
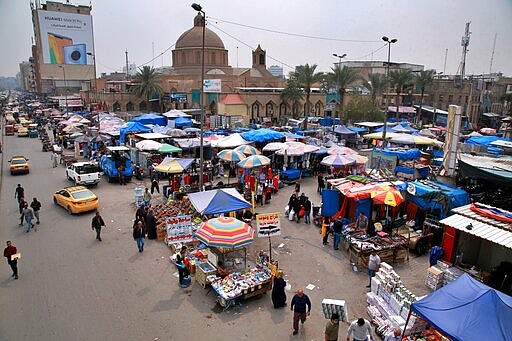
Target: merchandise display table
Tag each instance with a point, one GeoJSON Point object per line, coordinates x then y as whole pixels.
{"type": "Point", "coordinates": [203, 272]}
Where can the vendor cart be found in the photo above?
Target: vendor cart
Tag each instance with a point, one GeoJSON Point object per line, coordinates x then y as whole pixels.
{"type": "Point", "coordinates": [390, 250]}
{"type": "Point", "coordinates": [68, 159]}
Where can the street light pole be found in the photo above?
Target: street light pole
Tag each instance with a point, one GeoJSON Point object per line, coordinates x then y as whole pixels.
{"type": "Point", "coordinates": [339, 80]}
{"type": "Point", "coordinates": [65, 86]}
{"type": "Point", "coordinates": [199, 9]}
{"type": "Point", "coordinates": [389, 42]}
{"type": "Point", "coordinates": [95, 93]}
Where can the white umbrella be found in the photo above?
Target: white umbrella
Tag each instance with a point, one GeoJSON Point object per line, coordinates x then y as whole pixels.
{"type": "Point", "coordinates": [273, 146]}
{"type": "Point", "coordinates": [148, 145]}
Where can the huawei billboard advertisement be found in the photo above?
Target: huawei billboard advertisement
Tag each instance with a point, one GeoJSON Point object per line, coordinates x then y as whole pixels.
{"type": "Point", "coordinates": [66, 38]}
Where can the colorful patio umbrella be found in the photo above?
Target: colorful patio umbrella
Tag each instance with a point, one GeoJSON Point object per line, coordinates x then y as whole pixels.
{"type": "Point", "coordinates": [293, 148]}
{"type": "Point", "coordinates": [75, 135]}
{"type": "Point", "coordinates": [100, 138]}
{"type": "Point", "coordinates": [247, 150]}
{"type": "Point", "coordinates": [167, 148]}
{"type": "Point", "coordinates": [231, 155]}
{"type": "Point", "coordinates": [414, 139]}
{"type": "Point", "coordinates": [83, 139]}
{"type": "Point", "coordinates": [360, 159]}
{"type": "Point", "coordinates": [378, 136]}
{"type": "Point", "coordinates": [225, 232]}
{"type": "Point", "coordinates": [341, 150]}
{"type": "Point", "coordinates": [148, 145]}
{"type": "Point", "coordinates": [171, 166]}
{"type": "Point", "coordinates": [273, 146]}
{"type": "Point", "coordinates": [338, 160]}
{"type": "Point", "coordinates": [386, 195]}
{"type": "Point", "coordinates": [254, 161]}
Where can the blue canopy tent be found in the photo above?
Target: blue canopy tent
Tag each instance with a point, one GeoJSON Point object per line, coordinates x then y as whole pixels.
{"type": "Point", "coordinates": [358, 129]}
{"type": "Point", "coordinates": [342, 130]}
{"type": "Point", "coordinates": [328, 121]}
{"type": "Point", "coordinates": [182, 122]}
{"type": "Point", "coordinates": [466, 309]}
{"type": "Point", "coordinates": [262, 135]}
{"type": "Point", "coordinates": [132, 127]}
{"type": "Point", "coordinates": [218, 201]}
{"type": "Point", "coordinates": [150, 119]}
{"type": "Point", "coordinates": [485, 140]}
{"type": "Point", "coordinates": [293, 136]}
{"type": "Point", "coordinates": [389, 129]}
{"type": "Point", "coordinates": [402, 154]}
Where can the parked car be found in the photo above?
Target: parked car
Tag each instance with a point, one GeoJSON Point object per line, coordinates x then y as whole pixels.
{"type": "Point", "coordinates": [19, 164]}
{"type": "Point", "coordinates": [22, 131]}
{"type": "Point", "coordinates": [76, 199]}
{"type": "Point", "coordinates": [110, 163]}
{"type": "Point", "coordinates": [9, 129]}
{"type": "Point", "coordinates": [83, 173]}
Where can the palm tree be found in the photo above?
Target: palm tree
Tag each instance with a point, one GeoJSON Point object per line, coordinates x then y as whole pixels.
{"type": "Point", "coordinates": [400, 80]}
{"type": "Point", "coordinates": [305, 76]}
{"type": "Point", "coordinates": [343, 77]}
{"type": "Point", "coordinates": [376, 84]}
{"type": "Point", "coordinates": [291, 94]}
{"type": "Point", "coordinates": [423, 79]}
{"type": "Point", "coordinates": [146, 85]}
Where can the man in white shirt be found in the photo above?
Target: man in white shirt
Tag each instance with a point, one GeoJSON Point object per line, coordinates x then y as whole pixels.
{"type": "Point", "coordinates": [394, 335]}
{"type": "Point", "coordinates": [373, 266]}
{"type": "Point", "coordinates": [360, 329]}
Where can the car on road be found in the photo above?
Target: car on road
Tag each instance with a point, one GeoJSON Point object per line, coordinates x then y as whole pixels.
{"type": "Point", "coordinates": [19, 164]}
{"type": "Point", "coordinates": [76, 199]}
{"type": "Point", "coordinates": [83, 173]}
{"type": "Point", "coordinates": [22, 131]}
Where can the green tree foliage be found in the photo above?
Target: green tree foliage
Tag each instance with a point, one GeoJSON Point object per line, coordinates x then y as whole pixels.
{"type": "Point", "coordinates": [376, 84]}
{"type": "Point", "coordinates": [423, 79]}
{"type": "Point", "coordinates": [342, 77]}
{"type": "Point", "coordinates": [292, 94]}
{"type": "Point", "coordinates": [305, 76]}
{"type": "Point", "coordinates": [400, 81]}
{"type": "Point", "coordinates": [363, 108]}
{"type": "Point", "coordinates": [146, 85]}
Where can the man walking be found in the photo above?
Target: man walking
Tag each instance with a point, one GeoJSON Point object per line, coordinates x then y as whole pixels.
{"type": "Point", "coordinates": [139, 232]}
{"type": "Point", "coordinates": [96, 224]}
{"type": "Point", "coordinates": [28, 214]}
{"type": "Point", "coordinates": [154, 185]}
{"type": "Point", "coordinates": [9, 251]}
{"type": "Point", "coordinates": [332, 328]}
{"type": "Point", "coordinates": [36, 206]}
{"type": "Point", "coordinates": [373, 266]}
{"type": "Point", "coordinates": [336, 229]}
{"type": "Point", "coordinates": [19, 193]}
{"type": "Point", "coordinates": [299, 303]}
{"type": "Point", "coordinates": [120, 174]}
{"type": "Point", "coordinates": [307, 211]}
{"type": "Point", "coordinates": [360, 329]}
{"type": "Point", "coordinates": [54, 159]}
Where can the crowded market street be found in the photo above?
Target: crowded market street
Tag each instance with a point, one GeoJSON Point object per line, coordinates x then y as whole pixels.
{"type": "Point", "coordinates": [73, 287]}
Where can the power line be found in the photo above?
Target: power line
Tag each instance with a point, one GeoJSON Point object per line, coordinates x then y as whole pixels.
{"type": "Point", "coordinates": [374, 51]}
{"type": "Point", "coordinates": [295, 34]}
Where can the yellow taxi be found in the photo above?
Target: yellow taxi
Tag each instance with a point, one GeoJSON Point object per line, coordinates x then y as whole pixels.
{"type": "Point", "coordinates": [76, 199]}
{"type": "Point", "coordinates": [18, 164]}
{"type": "Point", "coordinates": [22, 131]}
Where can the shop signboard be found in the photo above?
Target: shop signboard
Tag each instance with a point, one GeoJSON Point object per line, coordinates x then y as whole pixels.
{"type": "Point", "coordinates": [212, 85]}
{"type": "Point", "coordinates": [179, 229]}
{"type": "Point", "coordinates": [268, 225]}
{"type": "Point", "coordinates": [70, 103]}
{"type": "Point", "coordinates": [379, 160]}
{"type": "Point", "coordinates": [66, 38]}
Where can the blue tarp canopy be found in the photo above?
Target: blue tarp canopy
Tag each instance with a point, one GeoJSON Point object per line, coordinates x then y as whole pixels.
{"type": "Point", "coordinates": [389, 129]}
{"type": "Point", "coordinates": [342, 130]}
{"type": "Point", "coordinates": [358, 129]}
{"type": "Point", "coordinates": [436, 196]}
{"type": "Point", "coordinates": [402, 154]}
{"type": "Point", "coordinates": [466, 310]}
{"type": "Point", "coordinates": [153, 119]}
{"type": "Point", "coordinates": [485, 140]}
{"type": "Point", "coordinates": [404, 128]}
{"type": "Point", "coordinates": [293, 136]}
{"type": "Point", "coordinates": [182, 122]}
{"type": "Point", "coordinates": [132, 127]}
{"type": "Point", "coordinates": [328, 121]}
{"type": "Point", "coordinates": [218, 201]}
{"type": "Point", "coordinates": [262, 135]}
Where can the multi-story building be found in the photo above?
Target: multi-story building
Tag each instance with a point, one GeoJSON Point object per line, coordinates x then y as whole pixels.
{"type": "Point", "coordinates": [27, 76]}
{"type": "Point", "coordinates": [276, 71]}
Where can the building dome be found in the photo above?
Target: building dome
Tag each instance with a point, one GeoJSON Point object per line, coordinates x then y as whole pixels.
{"type": "Point", "coordinates": [193, 38]}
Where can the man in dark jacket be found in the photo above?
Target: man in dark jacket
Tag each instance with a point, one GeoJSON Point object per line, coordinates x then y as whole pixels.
{"type": "Point", "coordinates": [36, 207]}
{"type": "Point", "coordinates": [299, 303]}
{"type": "Point", "coordinates": [9, 251]}
{"type": "Point", "coordinates": [139, 233]}
{"type": "Point", "coordinates": [150, 224]}
{"type": "Point", "coordinates": [96, 224]}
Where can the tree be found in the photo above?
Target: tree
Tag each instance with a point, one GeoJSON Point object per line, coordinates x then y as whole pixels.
{"type": "Point", "coordinates": [362, 108]}
{"type": "Point", "coordinates": [146, 84]}
{"type": "Point", "coordinates": [400, 80]}
{"type": "Point", "coordinates": [305, 76]}
{"type": "Point", "coordinates": [343, 77]}
{"type": "Point", "coordinates": [292, 94]}
{"type": "Point", "coordinates": [423, 79]}
{"type": "Point", "coordinates": [376, 84]}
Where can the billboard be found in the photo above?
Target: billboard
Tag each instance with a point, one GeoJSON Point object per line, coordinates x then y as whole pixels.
{"type": "Point", "coordinates": [212, 85]}
{"type": "Point", "coordinates": [66, 37]}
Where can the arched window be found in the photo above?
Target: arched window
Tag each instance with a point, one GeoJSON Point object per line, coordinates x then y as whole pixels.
{"type": "Point", "coordinates": [129, 106]}
{"type": "Point", "coordinates": [255, 111]}
{"type": "Point", "coordinates": [142, 106]}
{"type": "Point", "coordinates": [213, 57]}
{"type": "Point", "coordinates": [282, 109]}
{"type": "Point", "coordinates": [262, 59]}
{"type": "Point", "coordinates": [269, 109]}
{"type": "Point", "coordinates": [116, 107]}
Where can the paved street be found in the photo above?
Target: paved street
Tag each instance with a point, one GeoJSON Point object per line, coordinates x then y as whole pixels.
{"type": "Point", "coordinates": [73, 287]}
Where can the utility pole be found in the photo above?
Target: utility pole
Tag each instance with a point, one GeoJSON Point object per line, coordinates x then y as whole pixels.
{"type": "Point", "coordinates": [464, 44]}
{"type": "Point", "coordinates": [127, 71]}
{"type": "Point", "coordinates": [445, 58]}
{"type": "Point", "coordinates": [492, 55]}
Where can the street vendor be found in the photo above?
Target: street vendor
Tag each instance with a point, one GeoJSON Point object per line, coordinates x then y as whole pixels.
{"type": "Point", "coordinates": [222, 270]}
{"type": "Point", "coordinates": [362, 222]}
{"type": "Point", "coordinates": [182, 268]}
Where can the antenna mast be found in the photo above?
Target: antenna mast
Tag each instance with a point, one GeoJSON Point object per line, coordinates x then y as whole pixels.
{"type": "Point", "coordinates": [464, 44]}
{"type": "Point", "coordinates": [492, 55]}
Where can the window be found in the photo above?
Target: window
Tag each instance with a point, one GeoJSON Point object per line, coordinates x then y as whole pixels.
{"type": "Point", "coordinates": [467, 99]}
{"type": "Point", "coordinates": [441, 98]}
{"type": "Point", "coordinates": [129, 106]}
{"type": "Point", "coordinates": [460, 100]}
{"type": "Point", "coordinates": [142, 106]}
{"type": "Point", "coordinates": [213, 58]}
{"type": "Point", "coordinates": [450, 98]}
{"type": "Point", "coordinates": [116, 106]}
{"type": "Point", "coordinates": [198, 57]}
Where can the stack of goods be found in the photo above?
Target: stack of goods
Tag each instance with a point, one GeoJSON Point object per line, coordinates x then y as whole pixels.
{"type": "Point", "coordinates": [169, 209]}
{"type": "Point", "coordinates": [139, 196]}
{"type": "Point", "coordinates": [330, 307]}
{"type": "Point", "coordinates": [389, 302]}
{"type": "Point", "coordinates": [237, 284]}
{"type": "Point", "coordinates": [434, 278]}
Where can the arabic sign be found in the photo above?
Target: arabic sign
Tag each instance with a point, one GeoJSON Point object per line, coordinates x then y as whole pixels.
{"type": "Point", "coordinates": [268, 225]}
{"type": "Point", "coordinates": [212, 85]}
{"type": "Point", "coordinates": [179, 229]}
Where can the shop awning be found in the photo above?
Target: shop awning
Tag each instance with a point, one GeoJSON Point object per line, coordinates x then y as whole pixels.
{"type": "Point", "coordinates": [490, 229]}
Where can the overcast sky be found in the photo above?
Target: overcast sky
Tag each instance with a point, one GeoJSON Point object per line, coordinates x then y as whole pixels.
{"type": "Point", "coordinates": [424, 29]}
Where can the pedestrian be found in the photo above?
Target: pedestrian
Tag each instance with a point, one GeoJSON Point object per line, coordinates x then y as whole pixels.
{"type": "Point", "coordinates": [373, 266]}
{"type": "Point", "coordinates": [321, 183]}
{"type": "Point", "coordinates": [336, 229]}
{"type": "Point", "coordinates": [182, 268]}
{"type": "Point", "coordinates": [299, 303]}
{"type": "Point", "coordinates": [19, 193]}
{"type": "Point", "coordinates": [36, 206]}
{"type": "Point", "coordinates": [394, 335]}
{"type": "Point", "coordinates": [307, 211]}
{"type": "Point", "coordinates": [140, 214]}
{"type": "Point", "coordinates": [297, 188]}
{"type": "Point", "coordinates": [147, 197]}
{"type": "Point", "coordinates": [139, 232]}
{"type": "Point", "coordinates": [332, 328]}
{"type": "Point", "coordinates": [259, 194]}
{"type": "Point", "coordinates": [9, 252]}
{"type": "Point", "coordinates": [154, 185]}
{"type": "Point", "coordinates": [360, 329]}
{"type": "Point", "coordinates": [151, 225]}
{"type": "Point", "coordinates": [96, 224]}
{"type": "Point", "coordinates": [278, 293]}
{"type": "Point", "coordinates": [28, 214]}
{"type": "Point", "coordinates": [120, 175]}
{"type": "Point", "coordinates": [55, 159]}
{"type": "Point", "coordinates": [362, 222]}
